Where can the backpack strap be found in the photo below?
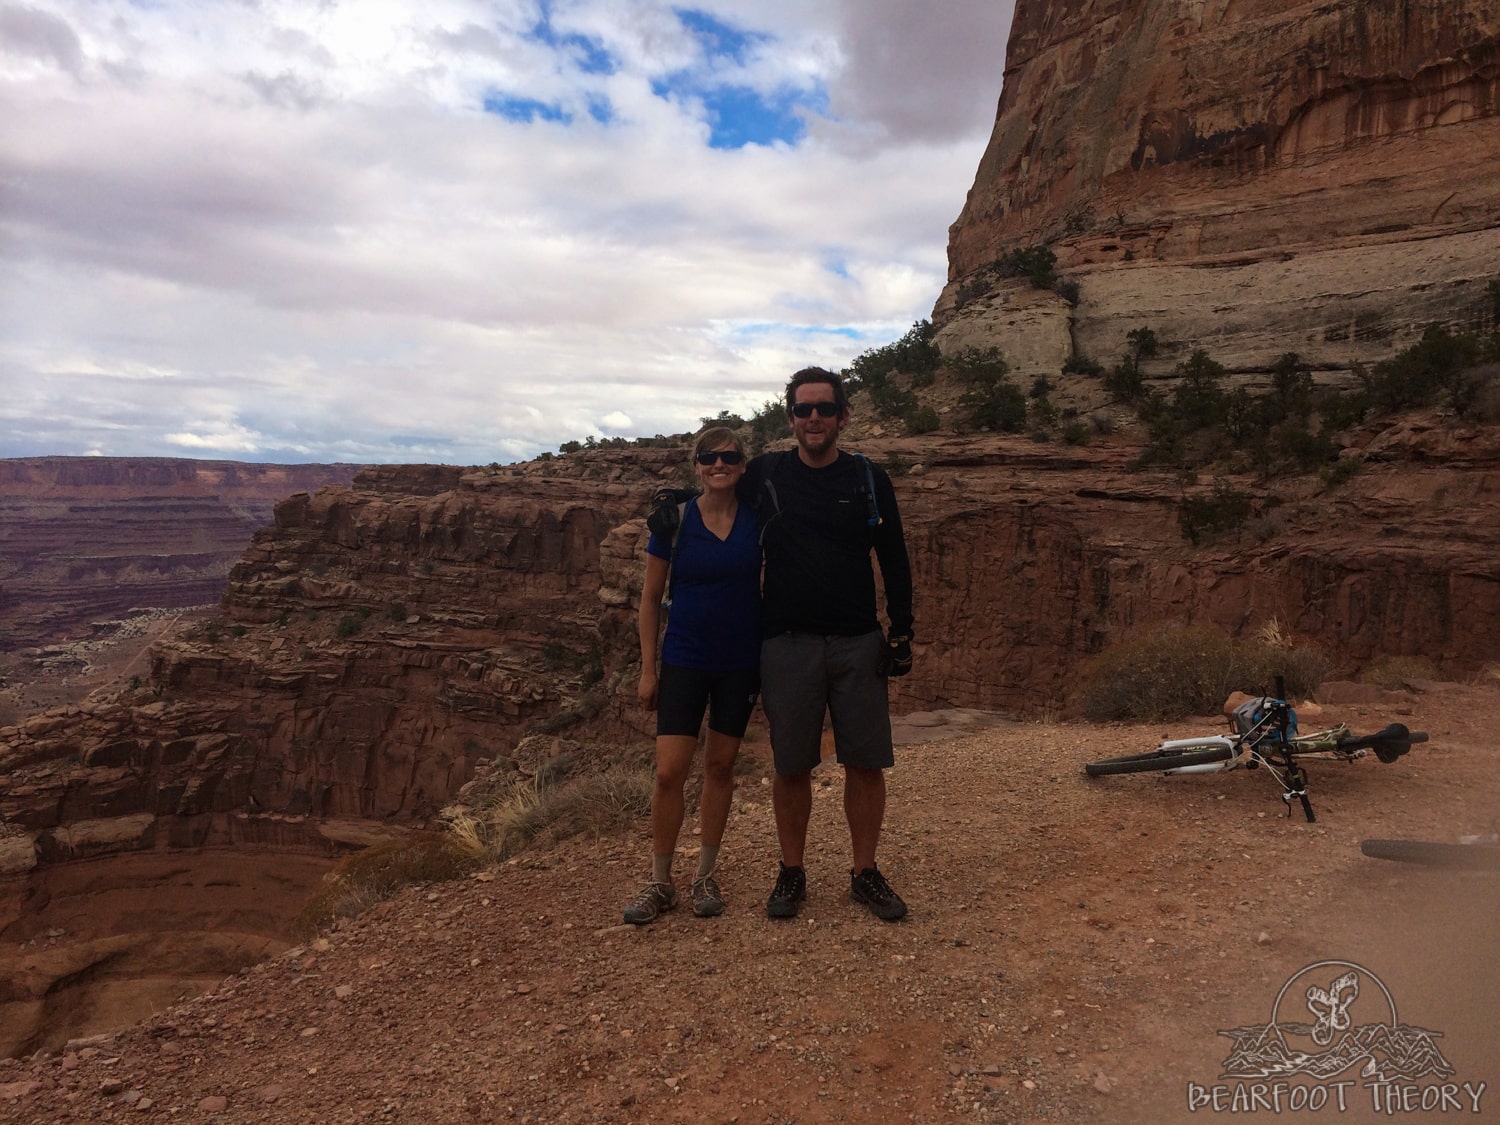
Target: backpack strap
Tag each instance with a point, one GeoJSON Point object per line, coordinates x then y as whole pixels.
{"type": "Point", "coordinates": [666, 601]}
{"type": "Point", "coordinates": [873, 518]}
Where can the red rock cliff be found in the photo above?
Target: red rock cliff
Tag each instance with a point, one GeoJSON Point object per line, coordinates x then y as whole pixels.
{"type": "Point", "coordinates": [1248, 176]}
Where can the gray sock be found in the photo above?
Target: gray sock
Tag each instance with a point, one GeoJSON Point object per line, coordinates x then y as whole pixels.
{"type": "Point", "coordinates": [707, 857]}
{"type": "Point", "coordinates": [661, 868]}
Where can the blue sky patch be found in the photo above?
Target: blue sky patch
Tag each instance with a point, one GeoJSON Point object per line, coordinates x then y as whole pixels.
{"type": "Point", "coordinates": [525, 110]}
{"type": "Point", "coordinates": [600, 109]}
{"type": "Point", "coordinates": [587, 53]}
{"type": "Point", "coordinates": [718, 39]}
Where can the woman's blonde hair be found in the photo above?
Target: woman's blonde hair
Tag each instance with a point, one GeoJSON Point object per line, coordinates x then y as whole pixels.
{"type": "Point", "coordinates": [715, 436]}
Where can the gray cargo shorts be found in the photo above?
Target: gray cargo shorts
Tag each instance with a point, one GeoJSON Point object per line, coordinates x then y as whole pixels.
{"type": "Point", "coordinates": [802, 675]}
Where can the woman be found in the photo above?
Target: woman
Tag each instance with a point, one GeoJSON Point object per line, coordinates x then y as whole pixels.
{"type": "Point", "coordinates": [710, 660]}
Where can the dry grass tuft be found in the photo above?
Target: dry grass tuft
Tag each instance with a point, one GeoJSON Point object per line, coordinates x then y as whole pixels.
{"type": "Point", "coordinates": [509, 815]}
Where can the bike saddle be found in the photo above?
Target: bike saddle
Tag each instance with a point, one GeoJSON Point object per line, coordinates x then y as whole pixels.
{"type": "Point", "coordinates": [1391, 742]}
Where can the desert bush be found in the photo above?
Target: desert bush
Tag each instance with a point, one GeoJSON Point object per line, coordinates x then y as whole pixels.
{"type": "Point", "coordinates": [1082, 365]}
{"type": "Point", "coordinates": [1037, 264]}
{"type": "Point", "coordinates": [351, 623]}
{"type": "Point", "coordinates": [1143, 342]}
{"type": "Point", "coordinates": [1224, 509]}
{"type": "Point", "coordinates": [1198, 398]}
{"type": "Point", "coordinates": [997, 406]}
{"type": "Point", "coordinates": [1068, 289]}
{"type": "Point", "coordinates": [1168, 671]}
{"type": "Point", "coordinates": [1435, 368]}
{"type": "Point", "coordinates": [769, 423]}
{"type": "Point", "coordinates": [1395, 671]}
{"type": "Point", "coordinates": [1125, 381]}
{"type": "Point", "coordinates": [1076, 432]}
{"type": "Point", "coordinates": [369, 877]}
{"type": "Point", "coordinates": [922, 420]}
{"type": "Point", "coordinates": [914, 355]}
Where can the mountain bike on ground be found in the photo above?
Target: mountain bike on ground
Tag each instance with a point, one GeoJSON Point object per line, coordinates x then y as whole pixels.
{"type": "Point", "coordinates": [1265, 736]}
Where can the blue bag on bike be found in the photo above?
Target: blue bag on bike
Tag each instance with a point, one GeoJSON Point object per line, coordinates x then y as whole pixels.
{"type": "Point", "coordinates": [1258, 718]}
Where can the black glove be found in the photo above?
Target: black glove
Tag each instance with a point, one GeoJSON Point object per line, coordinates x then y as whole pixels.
{"type": "Point", "coordinates": [663, 516]}
{"type": "Point", "coordinates": [895, 658]}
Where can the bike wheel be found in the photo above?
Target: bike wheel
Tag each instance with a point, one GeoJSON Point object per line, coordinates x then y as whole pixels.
{"type": "Point", "coordinates": [1455, 857]}
{"type": "Point", "coordinates": [1158, 760]}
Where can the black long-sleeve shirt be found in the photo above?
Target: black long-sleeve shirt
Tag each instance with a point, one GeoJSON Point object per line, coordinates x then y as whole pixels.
{"type": "Point", "coordinates": [817, 540]}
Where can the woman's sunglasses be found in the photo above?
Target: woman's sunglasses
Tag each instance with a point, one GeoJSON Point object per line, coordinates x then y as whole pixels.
{"type": "Point", "coordinates": [824, 409]}
{"type": "Point", "coordinates": [728, 456]}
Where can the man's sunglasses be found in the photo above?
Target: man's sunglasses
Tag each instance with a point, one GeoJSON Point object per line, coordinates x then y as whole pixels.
{"type": "Point", "coordinates": [728, 456]}
{"type": "Point", "coordinates": [824, 409]}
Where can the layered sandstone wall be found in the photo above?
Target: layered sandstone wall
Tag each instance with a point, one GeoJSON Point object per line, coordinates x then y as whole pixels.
{"type": "Point", "coordinates": [379, 640]}
{"type": "Point", "coordinates": [1248, 176]}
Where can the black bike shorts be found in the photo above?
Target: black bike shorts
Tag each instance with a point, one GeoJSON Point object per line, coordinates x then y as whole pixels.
{"type": "Point", "coordinates": [683, 694]}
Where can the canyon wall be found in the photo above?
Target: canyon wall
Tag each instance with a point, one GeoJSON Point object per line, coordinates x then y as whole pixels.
{"type": "Point", "coordinates": [1252, 177]}
{"type": "Point", "coordinates": [86, 538]}
{"type": "Point", "coordinates": [378, 640]}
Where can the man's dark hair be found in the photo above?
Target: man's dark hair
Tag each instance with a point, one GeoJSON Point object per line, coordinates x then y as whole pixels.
{"type": "Point", "coordinates": [816, 375]}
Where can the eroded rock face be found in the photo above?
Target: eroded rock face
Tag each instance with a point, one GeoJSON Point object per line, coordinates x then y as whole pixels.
{"type": "Point", "coordinates": [381, 639]}
{"type": "Point", "coordinates": [1251, 177]}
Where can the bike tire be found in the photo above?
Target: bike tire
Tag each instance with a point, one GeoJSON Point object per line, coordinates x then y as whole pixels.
{"type": "Point", "coordinates": [1157, 761]}
{"type": "Point", "coordinates": [1454, 857]}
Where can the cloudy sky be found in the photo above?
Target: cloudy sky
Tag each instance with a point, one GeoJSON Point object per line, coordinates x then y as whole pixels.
{"type": "Point", "coordinates": [463, 231]}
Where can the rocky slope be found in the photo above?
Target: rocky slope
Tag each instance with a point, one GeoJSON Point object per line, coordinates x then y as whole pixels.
{"type": "Point", "coordinates": [87, 538]}
{"type": "Point", "coordinates": [1247, 176]}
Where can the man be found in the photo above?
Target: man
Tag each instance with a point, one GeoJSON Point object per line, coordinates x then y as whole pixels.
{"type": "Point", "coordinates": [821, 513]}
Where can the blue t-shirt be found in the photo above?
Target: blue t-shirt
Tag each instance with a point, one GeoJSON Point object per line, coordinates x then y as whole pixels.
{"type": "Point", "coordinates": [714, 622]}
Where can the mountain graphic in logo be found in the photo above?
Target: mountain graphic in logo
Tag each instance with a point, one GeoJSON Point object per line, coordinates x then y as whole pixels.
{"type": "Point", "coordinates": [1332, 1043]}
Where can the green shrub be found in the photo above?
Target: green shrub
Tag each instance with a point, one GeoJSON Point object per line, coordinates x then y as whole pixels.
{"type": "Point", "coordinates": [1042, 412]}
{"type": "Point", "coordinates": [1224, 509]}
{"type": "Point", "coordinates": [1081, 365]}
{"type": "Point", "coordinates": [1143, 342]}
{"type": "Point", "coordinates": [769, 423]}
{"type": "Point", "coordinates": [922, 420]}
{"type": "Point", "coordinates": [1037, 264]}
{"type": "Point", "coordinates": [1125, 380]}
{"type": "Point", "coordinates": [1068, 290]}
{"type": "Point", "coordinates": [351, 623]}
{"type": "Point", "coordinates": [1076, 433]}
{"type": "Point", "coordinates": [1433, 369]}
{"type": "Point", "coordinates": [1198, 398]}
{"type": "Point", "coordinates": [991, 401]}
{"type": "Point", "coordinates": [398, 611]}
{"type": "Point", "coordinates": [914, 355]}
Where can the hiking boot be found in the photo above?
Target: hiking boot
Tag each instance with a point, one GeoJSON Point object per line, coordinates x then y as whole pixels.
{"type": "Point", "coordinates": [787, 895]}
{"type": "Point", "coordinates": [870, 889]}
{"type": "Point", "coordinates": [652, 900]}
{"type": "Point", "coordinates": [707, 901]}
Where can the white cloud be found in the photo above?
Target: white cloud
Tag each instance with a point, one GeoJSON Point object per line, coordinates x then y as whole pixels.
{"type": "Point", "coordinates": [290, 231]}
